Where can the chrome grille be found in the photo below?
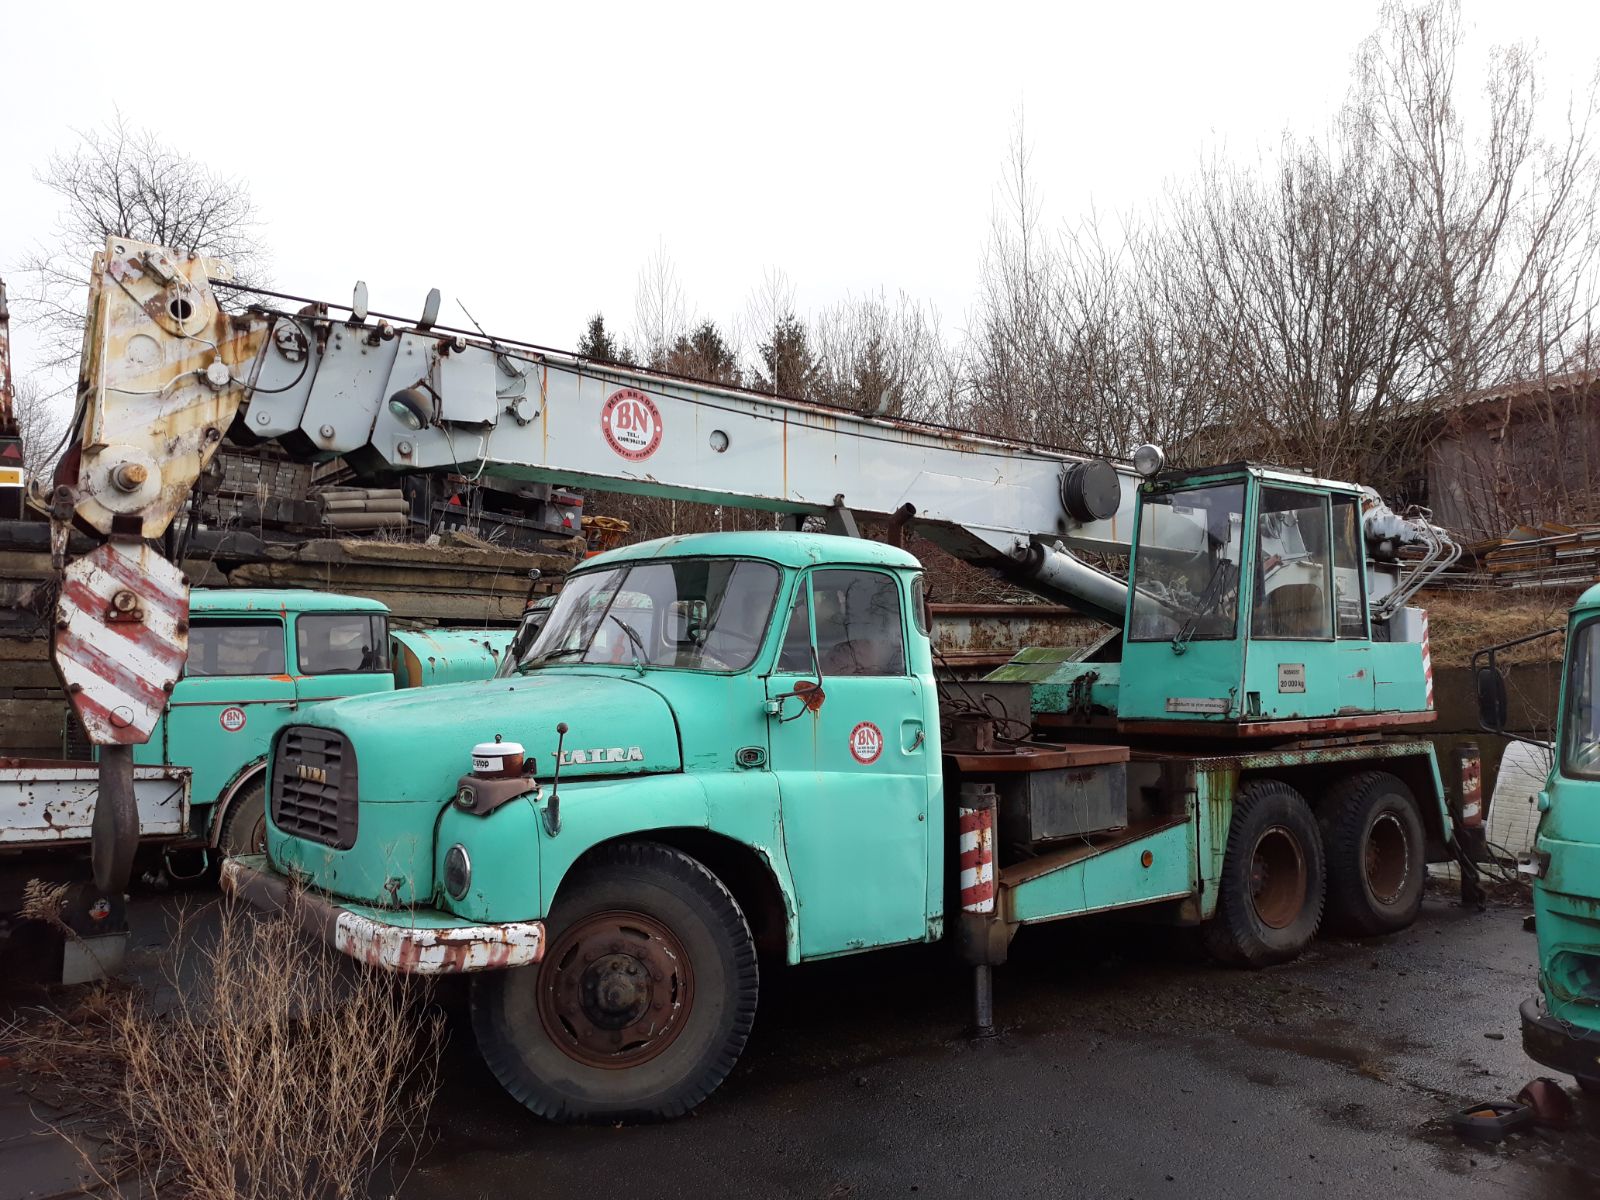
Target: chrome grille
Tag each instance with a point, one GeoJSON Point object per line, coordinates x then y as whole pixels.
{"type": "Point", "coordinates": [314, 786]}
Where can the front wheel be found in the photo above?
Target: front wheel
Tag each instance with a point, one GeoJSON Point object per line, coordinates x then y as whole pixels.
{"type": "Point", "coordinates": [244, 825]}
{"type": "Point", "coordinates": [1269, 899]}
{"type": "Point", "coordinates": [642, 1002]}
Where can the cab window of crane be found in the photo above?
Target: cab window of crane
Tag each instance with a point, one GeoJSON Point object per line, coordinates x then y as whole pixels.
{"type": "Point", "coordinates": [1293, 588]}
{"type": "Point", "coordinates": [236, 646]}
{"type": "Point", "coordinates": [342, 643]}
{"type": "Point", "coordinates": [691, 614]}
{"type": "Point", "coordinates": [1186, 565]}
{"type": "Point", "coordinates": [1349, 569]}
{"type": "Point", "coordinates": [1580, 732]}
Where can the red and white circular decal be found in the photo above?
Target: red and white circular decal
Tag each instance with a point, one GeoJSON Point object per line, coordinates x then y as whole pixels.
{"type": "Point", "coordinates": [631, 423]}
{"type": "Point", "coordinates": [232, 718]}
{"type": "Point", "coordinates": [866, 743]}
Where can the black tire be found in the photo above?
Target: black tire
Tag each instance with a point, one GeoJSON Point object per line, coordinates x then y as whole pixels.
{"type": "Point", "coordinates": [1270, 896]}
{"type": "Point", "coordinates": [639, 929]}
{"type": "Point", "coordinates": [244, 825]}
{"type": "Point", "coordinates": [1376, 851]}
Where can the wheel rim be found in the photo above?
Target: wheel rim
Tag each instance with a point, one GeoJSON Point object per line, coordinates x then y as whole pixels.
{"type": "Point", "coordinates": [1277, 878]}
{"type": "Point", "coordinates": [258, 835]}
{"type": "Point", "coordinates": [615, 989]}
{"type": "Point", "coordinates": [1387, 860]}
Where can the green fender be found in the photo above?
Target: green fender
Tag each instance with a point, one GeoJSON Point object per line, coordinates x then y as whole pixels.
{"type": "Point", "coordinates": [510, 884]}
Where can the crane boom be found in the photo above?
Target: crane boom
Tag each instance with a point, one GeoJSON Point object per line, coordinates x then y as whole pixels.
{"type": "Point", "coordinates": [167, 373]}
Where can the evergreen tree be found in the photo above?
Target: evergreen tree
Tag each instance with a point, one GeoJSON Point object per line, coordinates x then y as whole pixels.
{"type": "Point", "coordinates": [597, 343]}
{"type": "Point", "coordinates": [791, 367]}
{"type": "Point", "coordinates": [703, 353]}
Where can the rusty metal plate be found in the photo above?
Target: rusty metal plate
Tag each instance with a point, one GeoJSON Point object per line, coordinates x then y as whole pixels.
{"type": "Point", "coordinates": [121, 637]}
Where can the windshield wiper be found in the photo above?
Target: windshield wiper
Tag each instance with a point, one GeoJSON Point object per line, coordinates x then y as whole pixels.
{"type": "Point", "coordinates": [1216, 587]}
{"type": "Point", "coordinates": [549, 656]}
{"type": "Point", "coordinates": [635, 641]}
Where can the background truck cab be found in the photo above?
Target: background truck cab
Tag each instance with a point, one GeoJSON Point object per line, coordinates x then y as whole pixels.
{"type": "Point", "coordinates": [254, 658]}
{"type": "Point", "coordinates": [1561, 1025]}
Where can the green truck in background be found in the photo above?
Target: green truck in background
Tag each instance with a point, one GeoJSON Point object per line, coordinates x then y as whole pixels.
{"type": "Point", "coordinates": [726, 752]}
{"type": "Point", "coordinates": [256, 657]}
{"type": "Point", "coordinates": [1561, 1024]}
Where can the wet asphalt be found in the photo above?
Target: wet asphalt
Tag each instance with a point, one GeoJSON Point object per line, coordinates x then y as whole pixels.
{"type": "Point", "coordinates": [1126, 1066]}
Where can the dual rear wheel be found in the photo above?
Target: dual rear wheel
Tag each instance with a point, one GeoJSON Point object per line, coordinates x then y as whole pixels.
{"type": "Point", "coordinates": [1358, 863]}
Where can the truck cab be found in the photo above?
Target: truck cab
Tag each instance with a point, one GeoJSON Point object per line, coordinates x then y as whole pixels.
{"type": "Point", "coordinates": [1561, 1025]}
{"type": "Point", "coordinates": [769, 688]}
{"type": "Point", "coordinates": [254, 658]}
{"type": "Point", "coordinates": [699, 718]}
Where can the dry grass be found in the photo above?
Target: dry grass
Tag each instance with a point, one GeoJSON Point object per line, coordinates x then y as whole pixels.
{"type": "Point", "coordinates": [265, 1068]}
{"type": "Point", "coordinates": [1462, 623]}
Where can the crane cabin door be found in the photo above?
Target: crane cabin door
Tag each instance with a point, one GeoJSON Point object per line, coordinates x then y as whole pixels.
{"type": "Point", "coordinates": [853, 771]}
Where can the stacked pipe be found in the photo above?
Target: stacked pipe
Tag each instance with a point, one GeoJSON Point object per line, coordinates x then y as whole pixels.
{"type": "Point", "coordinates": [359, 509]}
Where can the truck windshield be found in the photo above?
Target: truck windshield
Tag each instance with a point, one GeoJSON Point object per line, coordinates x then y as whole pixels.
{"type": "Point", "coordinates": [1186, 565]}
{"type": "Point", "coordinates": [1580, 734]}
{"type": "Point", "coordinates": [697, 614]}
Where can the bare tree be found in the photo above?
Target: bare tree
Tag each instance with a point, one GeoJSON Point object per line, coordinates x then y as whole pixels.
{"type": "Point", "coordinates": [123, 180]}
{"type": "Point", "coordinates": [883, 355]}
{"type": "Point", "coordinates": [41, 426]}
{"type": "Point", "coordinates": [1331, 306]}
{"type": "Point", "coordinates": [769, 304]}
{"type": "Point", "coordinates": [661, 315]}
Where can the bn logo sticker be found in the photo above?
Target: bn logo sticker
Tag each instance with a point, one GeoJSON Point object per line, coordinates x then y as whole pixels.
{"type": "Point", "coordinates": [866, 743]}
{"type": "Point", "coordinates": [232, 719]}
{"type": "Point", "coordinates": [631, 423]}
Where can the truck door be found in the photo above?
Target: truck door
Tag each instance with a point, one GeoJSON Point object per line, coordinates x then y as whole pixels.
{"type": "Point", "coordinates": [341, 654]}
{"type": "Point", "coordinates": [853, 771]}
{"type": "Point", "coordinates": [233, 695]}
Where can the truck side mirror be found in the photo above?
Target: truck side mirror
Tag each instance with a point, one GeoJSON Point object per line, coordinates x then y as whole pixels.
{"type": "Point", "coordinates": [1493, 704]}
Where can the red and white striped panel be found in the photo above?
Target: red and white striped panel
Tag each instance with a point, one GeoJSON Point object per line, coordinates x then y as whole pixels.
{"type": "Point", "coordinates": [121, 637]}
{"type": "Point", "coordinates": [1427, 659]}
{"type": "Point", "coordinates": [976, 829]}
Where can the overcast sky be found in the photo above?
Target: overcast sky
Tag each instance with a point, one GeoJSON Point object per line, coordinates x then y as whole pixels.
{"type": "Point", "coordinates": [530, 158]}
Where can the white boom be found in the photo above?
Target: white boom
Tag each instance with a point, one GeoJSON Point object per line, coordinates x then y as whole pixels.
{"type": "Point", "coordinates": [167, 373]}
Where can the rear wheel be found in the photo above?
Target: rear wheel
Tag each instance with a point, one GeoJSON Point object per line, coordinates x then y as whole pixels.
{"type": "Point", "coordinates": [1270, 895]}
{"type": "Point", "coordinates": [642, 1002]}
{"type": "Point", "coordinates": [1375, 848]}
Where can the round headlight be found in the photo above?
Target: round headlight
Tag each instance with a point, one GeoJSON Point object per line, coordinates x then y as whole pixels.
{"type": "Point", "coordinates": [457, 871]}
{"type": "Point", "coordinates": [1148, 459]}
{"type": "Point", "coordinates": [410, 407]}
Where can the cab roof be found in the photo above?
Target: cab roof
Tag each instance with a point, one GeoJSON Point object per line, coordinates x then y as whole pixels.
{"type": "Point", "coordinates": [784, 549]}
{"type": "Point", "coordinates": [1267, 473]}
{"type": "Point", "coordinates": [278, 600]}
